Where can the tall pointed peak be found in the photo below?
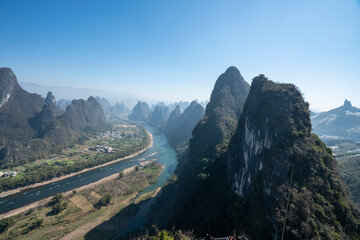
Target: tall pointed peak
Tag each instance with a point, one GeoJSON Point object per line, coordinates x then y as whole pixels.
{"type": "Point", "coordinates": [50, 99]}
{"type": "Point", "coordinates": [232, 70]}
{"type": "Point", "coordinates": [347, 104]}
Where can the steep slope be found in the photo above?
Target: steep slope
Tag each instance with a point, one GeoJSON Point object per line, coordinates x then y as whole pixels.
{"type": "Point", "coordinates": [187, 201]}
{"type": "Point", "coordinates": [159, 116]}
{"type": "Point", "coordinates": [82, 114]}
{"type": "Point", "coordinates": [272, 149]}
{"type": "Point", "coordinates": [51, 101]}
{"type": "Point", "coordinates": [43, 121]}
{"type": "Point", "coordinates": [342, 122]}
{"type": "Point", "coordinates": [179, 127]}
{"type": "Point", "coordinates": [16, 106]}
{"type": "Point", "coordinates": [140, 112]}
{"type": "Point", "coordinates": [215, 129]}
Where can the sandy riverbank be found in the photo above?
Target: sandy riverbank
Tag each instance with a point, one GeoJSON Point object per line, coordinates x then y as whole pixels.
{"type": "Point", "coordinates": [13, 191]}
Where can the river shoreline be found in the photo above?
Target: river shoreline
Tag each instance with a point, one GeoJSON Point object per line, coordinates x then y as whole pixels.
{"type": "Point", "coordinates": [17, 190]}
{"type": "Point", "coordinates": [45, 201]}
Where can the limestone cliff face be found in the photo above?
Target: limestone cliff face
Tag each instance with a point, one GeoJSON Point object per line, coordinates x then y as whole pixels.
{"type": "Point", "coordinates": [273, 114]}
{"type": "Point", "coordinates": [272, 145]}
{"type": "Point", "coordinates": [7, 85]}
{"type": "Point", "coordinates": [16, 106]}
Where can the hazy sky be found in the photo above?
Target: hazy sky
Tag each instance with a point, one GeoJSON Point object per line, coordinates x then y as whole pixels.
{"type": "Point", "coordinates": [175, 50]}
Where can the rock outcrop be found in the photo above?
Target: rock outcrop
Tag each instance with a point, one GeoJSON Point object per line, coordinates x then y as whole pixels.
{"type": "Point", "coordinates": [51, 102]}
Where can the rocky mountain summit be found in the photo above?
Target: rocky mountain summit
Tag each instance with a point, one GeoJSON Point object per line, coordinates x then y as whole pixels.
{"type": "Point", "coordinates": [51, 102]}
{"type": "Point", "coordinates": [215, 129]}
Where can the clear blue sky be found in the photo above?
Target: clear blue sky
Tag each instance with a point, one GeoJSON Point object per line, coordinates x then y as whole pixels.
{"type": "Point", "coordinates": [175, 50]}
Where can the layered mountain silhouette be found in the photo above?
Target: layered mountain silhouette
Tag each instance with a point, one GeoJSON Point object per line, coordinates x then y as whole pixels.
{"type": "Point", "coordinates": [30, 125]}
{"type": "Point", "coordinates": [159, 116]}
{"type": "Point", "coordinates": [183, 203]}
{"type": "Point", "coordinates": [272, 169]}
{"type": "Point", "coordinates": [105, 104]}
{"type": "Point", "coordinates": [120, 109]}
{"type": "Point", "coordinates": [340, 123]}
{"type": "Point", "coordinates": [179, 126]}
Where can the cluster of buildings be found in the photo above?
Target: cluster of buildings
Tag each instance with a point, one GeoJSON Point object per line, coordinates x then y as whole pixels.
{"type": "Point", "coordinates": [116, 135]}
{"type": "Point", "coordinates": [8, 174]}
{"type": "Point", "coordinates": [103, 149]}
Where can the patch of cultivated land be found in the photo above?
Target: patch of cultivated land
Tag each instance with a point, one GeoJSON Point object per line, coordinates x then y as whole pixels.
{"type": "Point", "coordinates": [82, 212]}
{"type": "Point", "coordinates": [82, 154]}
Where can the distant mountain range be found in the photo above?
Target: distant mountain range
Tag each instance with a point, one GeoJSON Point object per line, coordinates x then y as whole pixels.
{"type": "Point", "coordinates": [70, 93]}
{"type": "Point", "coordinates": [340, 123]}
{"type": "Point", "coordinates": [31, 126]}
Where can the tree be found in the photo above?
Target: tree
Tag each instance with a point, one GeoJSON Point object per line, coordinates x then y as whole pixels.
{"type": "Point", "coordinates": [104, 200]}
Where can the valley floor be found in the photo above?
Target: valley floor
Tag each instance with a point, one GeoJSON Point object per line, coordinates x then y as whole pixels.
{"type": "Point", "coordinates": [13, 191]}
{"type": "Point", "coordinates": [81, 214]}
